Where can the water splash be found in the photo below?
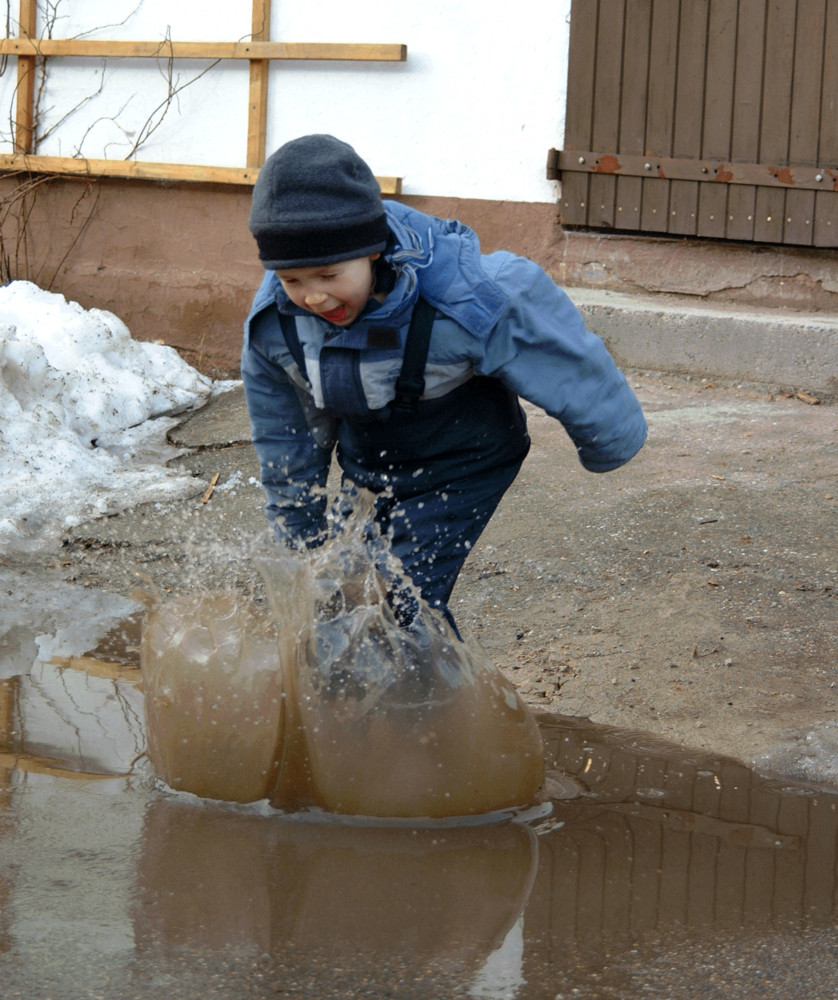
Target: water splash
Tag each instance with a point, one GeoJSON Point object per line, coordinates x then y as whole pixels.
{"type": "Point", "coordinates": [356, 697]}
{"type": "Point", "coordinates": [213, 696]}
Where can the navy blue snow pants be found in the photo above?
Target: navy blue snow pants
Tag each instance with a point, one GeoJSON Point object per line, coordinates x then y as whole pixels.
{"type": "Point", "coordinates": [440, 471]}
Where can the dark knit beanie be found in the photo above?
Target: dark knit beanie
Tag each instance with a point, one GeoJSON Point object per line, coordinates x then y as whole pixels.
{"type": "Point", "coordinates": [316, 201]}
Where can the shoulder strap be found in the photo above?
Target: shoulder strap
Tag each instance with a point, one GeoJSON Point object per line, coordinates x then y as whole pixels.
{"type": "Point", "coordinates": [292, 342]}
{"type": "Point", "coordinates": [411, 381]}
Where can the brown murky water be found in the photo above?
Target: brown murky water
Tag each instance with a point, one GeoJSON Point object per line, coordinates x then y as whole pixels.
{"type": "Point", "coordinates": [333, 698]}
{"type": "Point", "coordinates": [659, 873]}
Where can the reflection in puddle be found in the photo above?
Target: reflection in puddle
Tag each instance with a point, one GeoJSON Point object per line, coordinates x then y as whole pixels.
{"type": "Point", "coordinates": [78, 716]}
{"type": "Point", "coordinates": [670, 874]}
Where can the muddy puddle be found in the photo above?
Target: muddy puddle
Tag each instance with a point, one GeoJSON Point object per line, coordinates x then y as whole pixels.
{"type": "Point", "coordinates": [657, 873]}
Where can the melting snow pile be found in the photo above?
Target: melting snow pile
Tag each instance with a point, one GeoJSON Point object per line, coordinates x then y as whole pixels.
{"type": "Point", "coordinates": [84, 413]}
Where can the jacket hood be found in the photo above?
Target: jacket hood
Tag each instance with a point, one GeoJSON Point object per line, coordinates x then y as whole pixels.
{"type": "Point", "coordinates": [444, 256]}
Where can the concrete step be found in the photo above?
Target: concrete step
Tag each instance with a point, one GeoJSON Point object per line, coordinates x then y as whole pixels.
{"type": "Point", "coordinates": [777, 347]}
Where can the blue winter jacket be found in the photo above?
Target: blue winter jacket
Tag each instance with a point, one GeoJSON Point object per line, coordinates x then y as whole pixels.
{"type": "Point", "coordinates": [498, 315]}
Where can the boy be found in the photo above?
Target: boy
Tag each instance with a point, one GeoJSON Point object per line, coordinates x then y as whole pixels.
{"type": "Point", "coordinates": [384, 334]}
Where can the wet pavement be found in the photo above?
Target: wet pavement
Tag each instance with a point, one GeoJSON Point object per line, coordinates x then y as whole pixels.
{"type": "Point", "coordinates": [701, 608]}
{"type": "Point", "coordinates": [658, 872]}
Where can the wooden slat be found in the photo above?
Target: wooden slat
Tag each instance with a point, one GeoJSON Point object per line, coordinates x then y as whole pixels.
{"type": "Point", "coordinates": [730, 869]}
{"type": "Point", "coordinates": [635, 82]}
{"type": "Point", "coordinates": [664, 45]}
{"type": "Point", "coordinates": [24, 137]}
{"type": "Point", "coordinates": [689, 104]}
{"type": "Point", "coordinates": [193, 173]}
{"type": "Point", "coordinates": [718, 113]}
{"type": "Point", "coordinates": [590, 889]}
{"type": "Point", "coordinates": [9, 701]}
{"type": "Point", "coordinates": [580, 89]}
{"type": "Point", "coordinates": [633, 102]}
{"type": "Point", "coordinates": [94, 48]}
{"type": "Point", "coordinates": [820, 873]}
{"type": "Point", "coordinates": [618, 872]}
{"type": "Point", "coordinates": [792, 819]}
{"type": "Point", "coordinates": [804, 123]}
{"type": "Point", "coordinates": [776, 107]}
{"type": "Point", "coordinates": [747, 102]}
{"type": "Point", "coordinates": [645, 891]}
{"type": "Point", "coordinates": [799, 221]}
{"type": "Point", "coordinates": [605, 128]}
{"type": "Point", "coordinates": [826, 205]}
{"type": "Point", "coordinates": [580, 73]}
{"type": "Point", "coordinates": [760, 874]}
{"type": "Point", "coordinates": [78, 167]}
{"type": "Point", "coordinates": [793, 176]}
{"type": "Point", "coordinates": [731, 885]}
{"type": "Point", "coordinates": [36, 764]}
{"type": "Point", "coordinates": [95, 667]}
{"type": "Point", "coordinates": [674, 864]}
{"type": "Point", "coordinates": [257, 113]}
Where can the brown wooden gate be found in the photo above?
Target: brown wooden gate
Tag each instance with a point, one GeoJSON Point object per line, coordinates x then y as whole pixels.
{"type": "Point", "coordinates": [708, 118]}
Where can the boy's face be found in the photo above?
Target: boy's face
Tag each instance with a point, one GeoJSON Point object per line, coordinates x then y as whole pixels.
{"type": "Point", "coordinates": [337, 292]}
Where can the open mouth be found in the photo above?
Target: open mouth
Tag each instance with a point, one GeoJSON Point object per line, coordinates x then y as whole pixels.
{"type": "Point", "coordinates": [336, 315]}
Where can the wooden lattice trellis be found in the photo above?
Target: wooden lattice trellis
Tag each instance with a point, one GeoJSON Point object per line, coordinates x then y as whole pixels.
{"type": "Point", "coordinates": [260, 51]}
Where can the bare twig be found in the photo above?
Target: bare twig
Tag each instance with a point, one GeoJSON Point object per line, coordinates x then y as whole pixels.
{"type": "Point", "coordinates": [18, 203]}
{"type": "Point", "coordinates": [174, 89]}
{"type": "Point", "coordinates": [43, 136]}
{"type": "Point", "coordinates": [115, 24]}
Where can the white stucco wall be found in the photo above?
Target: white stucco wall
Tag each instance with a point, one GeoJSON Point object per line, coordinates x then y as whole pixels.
{"type": "Point", "coordinates": [471, 113]}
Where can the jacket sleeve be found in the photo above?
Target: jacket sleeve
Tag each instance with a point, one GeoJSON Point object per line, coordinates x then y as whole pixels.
{"type": "Point", "coordinates": [542, 350]}
{"type": "Point", "coordinates": [294, 467]}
